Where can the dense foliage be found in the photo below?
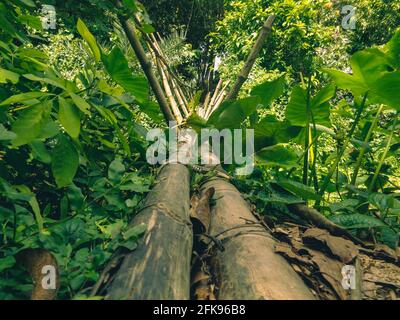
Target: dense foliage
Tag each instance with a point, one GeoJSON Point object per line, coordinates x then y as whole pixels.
{"type": "Point", "coordinates": [75, 109]}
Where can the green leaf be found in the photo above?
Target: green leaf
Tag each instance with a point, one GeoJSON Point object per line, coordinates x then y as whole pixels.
{"type": "Point", "coordinates": [29, 123]}
{"type": "Point", "coordinates": [392, 49]}
{"type": "Point", "coordinates": [116, 170]}
{"type": "Point", "coordinates": [278, 156]}
{"type": "Point", "coordinates": [69, 117]}
{"type": "Point", "coordinates": [296, 111]}
{"type": "Point", "coordinates": [232, 114]}
{"type": "Point", "coordinates": [65, 161]}
{"type": "Point", "coordinates": [269, 131]}
{"type": "Point", "coordinates": [269, 91]}
{"type": "Point", "coordinates": [7, 263]}
{"type": "Point", "coordinates": [59, 83]}
{"type": "Point", "coordinates": [89, 38]}
{"type": "Point", "coordinates": [21, 97]}
{"type": "Point", "coordinates": [118, 68]}
{"type": "Point", "coordinates": [356, 221]}
{"type": "Point", "coordinates": [151, 109]}
{"type": "Point", "coordinates": [196, 122]}
{"type": "Point", "coordinates": [49, 130]}
{"type": "Point", "coordinates": [75, 197]}
{"type": "Point", "coordinates": [40, 151]}
{"type": "Point", "coordinates": [346, 204]}
{"type": "Point", "coordinates": [370, 74]}
{"type": "Point", "coordinates": [5, 134]}
{"type": "Point", "coordinates": [297, 189]}
{"type": "Point", "coordinates": [7, 75]}
{"type": "Point", "coordinates": [130, 5]}
{"type": "Point", "coordinates": [34, 205]}
{"type": "Point", "coordinates": [80, 103]}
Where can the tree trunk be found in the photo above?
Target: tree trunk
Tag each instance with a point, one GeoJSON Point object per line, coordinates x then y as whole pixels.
{"type": "Point", "coordinates": [248, 268]}
{"type": "Point", "coordinates": [160, 266]}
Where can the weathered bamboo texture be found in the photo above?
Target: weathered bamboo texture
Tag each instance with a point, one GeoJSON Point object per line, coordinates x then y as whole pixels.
{"type": "Point", "coordinates": [159, 268]}
{"type": "Point", "coordinates": [248, 268]}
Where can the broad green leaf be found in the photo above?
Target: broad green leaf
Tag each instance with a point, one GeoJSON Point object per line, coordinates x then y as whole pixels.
{"type": "Point", "coordinates": [130, 5]}
{"type": "Point", "coordinates": [69, 117]}
{"type": "Point", "coordinates": [21, 97]}
{"type": "Point", "coordinates": [357, 221]}
{"type": "Point", "coordinates": [31, 21]}
{"type": "Point", "coordinates": [49, 130]}
{"type": "Point", "coordinates": [371, 73]}
{"type": "Point", "coordinates": [7, 75]}
{"type": "Point", "coordinates": [196, 122]}
{"type": "Point", "coordinates": [118, 68]}
{"type": "Point", "coordinates": [80, 103]}
{"type": "Point", "coordinates": [297, 189]}
{"type": "Point", "coordinates": [232, 115]}
{"type": "Point", "coordinates": [278, 156]}
{"type": "Point", "coordinates": [89, 38]}
{"type": "Point", "coordinates": [296, 110]}
{"type": "Point", "coordinates": [5, 134]}
{"type": "Point", "coordinates": [148, 28]}
{"type": "Point", "coordinates": [269, 131]}
{"type": "Point", "coordinates": [346, 204]}
{"type": "Point", "coordinates": [65, 161]}
{"type": "Point", "coordinates": [269, 91]}
{"type": "Point", "coordinates": [322, 97]}
{"type": "Point", "coordinates": [40, 151]}
{"type": "Point", "coordinates": [29, 123]}
{"type": "Point", "coordinates": [392, 49]}
{"type": "Point", "coordinates": [56, 83]}
{"type": "Point", "coordinates": [151, 109]}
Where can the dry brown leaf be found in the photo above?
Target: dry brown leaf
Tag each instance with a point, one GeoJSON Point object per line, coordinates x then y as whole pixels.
{"type": "Point", "coordinates": [339, 247]}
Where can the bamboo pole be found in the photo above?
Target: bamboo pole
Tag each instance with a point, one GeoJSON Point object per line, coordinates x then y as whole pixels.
{"type": "Point", "coordinates": [216, 92]}
{"type": "Point", "coordinates": [170, 96]}
{"type": "Point", "coordinates": [171, 77]}
{"type": "Point", "coordinates": [159, 268]}
{"type": "Point", "coordinates": [248, 268]}
{"type": "Point", "coordinates": [251, 59]}
{"type": "Point", "coordinates": [219, 100]}
{"type": "Point", "coordinates": [130, 32]}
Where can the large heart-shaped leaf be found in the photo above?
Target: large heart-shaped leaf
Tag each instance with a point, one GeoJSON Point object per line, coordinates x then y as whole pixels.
{"type": "Point", "coordinates": [278, 156]}
{"type": "Point", "coordinates": [118, 68]}
{"type": "Point", "coordinates": [269, 90]}
{"type": "Point", "coordinates": [232, 114]}
{"type": "Point", "coordinates": [269, 131]}
{"type": "Point", "coordinates": [296, 111]}
{"type": "Point", "coordinates": [372, 75]}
